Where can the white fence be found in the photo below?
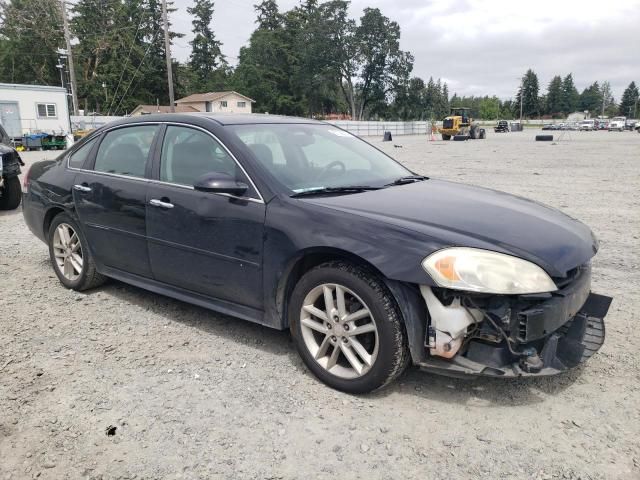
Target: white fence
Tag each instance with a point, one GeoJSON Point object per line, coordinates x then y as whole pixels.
{"type": "Point", "coordinates": [86, 122]}
{"type": "Point", "coordinates": [368, 129]}
{"type": "Point", "coordinates": [362, 129]}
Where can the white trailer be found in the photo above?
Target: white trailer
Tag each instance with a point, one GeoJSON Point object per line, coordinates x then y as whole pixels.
{"type": "Point", "coordinates": [30, 109]}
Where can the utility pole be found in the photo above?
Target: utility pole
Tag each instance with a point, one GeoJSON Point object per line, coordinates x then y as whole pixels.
{"type": "Point", "coordinates": [521, 97]}
{"type": "Point", "coordinates": [167, 48]}
{"type": "Point", "coordinates": [72, 70]}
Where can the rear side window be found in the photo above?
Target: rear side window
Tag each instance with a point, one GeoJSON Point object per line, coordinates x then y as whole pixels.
{"type": "Point", "coordinates": [125, 151]}
{"type": "Point", "coordinates": [77, 158]}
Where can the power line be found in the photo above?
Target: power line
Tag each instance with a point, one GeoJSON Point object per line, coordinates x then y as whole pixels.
{"type": "Point", "coordinates": [137, 70]}
{"type": "Point", "coordinates": [125, 63]}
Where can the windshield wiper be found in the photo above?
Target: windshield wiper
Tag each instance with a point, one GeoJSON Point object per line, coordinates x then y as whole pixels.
{"type": "Point", "coordinates": [407, 179]}
{"type": "Point", "coordinates": [329, 190]}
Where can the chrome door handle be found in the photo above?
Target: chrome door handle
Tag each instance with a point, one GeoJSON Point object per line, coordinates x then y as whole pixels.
{"type": "Point", "coordinates": [159, 203]}
{"type": "Point", "coordinates": [82, 188]}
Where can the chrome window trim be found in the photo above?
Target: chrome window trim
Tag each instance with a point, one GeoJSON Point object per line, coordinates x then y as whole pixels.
{"type": "Point", "coordinates": [160, 182]}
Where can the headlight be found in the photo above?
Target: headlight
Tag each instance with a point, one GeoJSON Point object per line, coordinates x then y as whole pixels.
{"type": "Point", "coordinates": [477, 270]}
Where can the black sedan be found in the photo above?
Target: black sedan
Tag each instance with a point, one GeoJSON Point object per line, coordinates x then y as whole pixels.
{"type": "Point", "coordinates": [297, 224]}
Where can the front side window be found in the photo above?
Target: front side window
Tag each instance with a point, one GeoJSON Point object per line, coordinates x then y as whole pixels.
{"type": "Point", "coordinates": [307, 157]}
{"type": "Point", "coordinates": [188, 153]}
{"type": "Point", "coordinates": [47, 110]}
{"type": "Point", "coordinates": [125, 151]}
{"type": "Point", "coordinates": [78, 158]}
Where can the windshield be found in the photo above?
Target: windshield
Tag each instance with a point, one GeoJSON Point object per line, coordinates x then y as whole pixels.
{"type": "Point", "coordinates": [306, 157]}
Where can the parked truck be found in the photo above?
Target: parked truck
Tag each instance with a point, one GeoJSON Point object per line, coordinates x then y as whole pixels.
{"type": "Point", "coordinates": [617, 123]}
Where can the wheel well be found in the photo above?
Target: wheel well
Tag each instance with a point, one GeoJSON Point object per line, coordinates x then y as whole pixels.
{"type": "Point", "coordinates": [48, 218]}
{"type": "Point", "coordinates": [306, 262]}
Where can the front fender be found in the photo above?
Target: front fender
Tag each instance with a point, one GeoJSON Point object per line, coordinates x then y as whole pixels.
{"type": "Point", "coordinates": [321, 232]}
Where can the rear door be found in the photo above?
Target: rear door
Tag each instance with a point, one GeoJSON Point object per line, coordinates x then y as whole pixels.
{"type": "Point", "coordinates": [204, 242]}
{"type": "Point", "coordinates": [110, 194]}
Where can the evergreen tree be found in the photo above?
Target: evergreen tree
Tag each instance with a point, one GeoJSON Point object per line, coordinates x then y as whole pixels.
{"type": "Point", "coordinates": [30, 34]}
{"type": "Point", "coordinates": [507, 110]}
{"type": "Point", "coordinates": [269, 17]}
{"type": "Point", "coordinates": [591, 99]}
{"type": "Point", "coordinates": [528, 95]}
{"type": "Point", "coordinates": [553, 104]}
{"type": "Point", "coordinates": [629, 101]}
{"type": "Point", "coordinates": [106, 52]}
{"type": "Point", "coordinates": [445, 98]}
{"type": "Point", "coordinates": [570, 95]}
{"type": "Point", "coordinates": [206, 60]}
{"type": "Point", "coordinates": [442, 104]}
{"type": "Point", "coordinates": [431, 100]}
{"type": "Point", "coordinates": [264, 67]}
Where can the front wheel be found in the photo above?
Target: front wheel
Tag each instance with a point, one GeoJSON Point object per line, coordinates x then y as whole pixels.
{"type": "Point", "coordinates": [70, 255]}
{"type": "Point", "coordinates": [347, 328]}
{"type": "Point", "coordinates": [446, 137]}
{"type": "Point", "coordinates": [11, 194]}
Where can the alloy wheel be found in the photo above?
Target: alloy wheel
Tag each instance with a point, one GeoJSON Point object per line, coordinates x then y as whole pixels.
{"type": "Point", "coordinates": [339, 331]}
{"type": "Point", "coordinates": [67, 251]}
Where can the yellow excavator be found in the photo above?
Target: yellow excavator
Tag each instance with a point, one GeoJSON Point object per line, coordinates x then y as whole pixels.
{"type": "Point", "coordinates": [461, 126]}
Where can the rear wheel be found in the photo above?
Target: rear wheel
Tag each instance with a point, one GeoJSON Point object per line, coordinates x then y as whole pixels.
{"type": "Point", "coordinates": [70, 255]}
{"type": "Point", "coordinates": [347, 328]}
{"type": "Point", "coordinates": [11, 194]}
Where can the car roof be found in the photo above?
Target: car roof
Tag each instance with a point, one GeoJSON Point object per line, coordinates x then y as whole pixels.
{"type": "Point", "coordinates": [220, 118]}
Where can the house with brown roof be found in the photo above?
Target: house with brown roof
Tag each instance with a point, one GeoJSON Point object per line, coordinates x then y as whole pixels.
{"type": "Point", "coordinates": [150, 109]}
{"type": "Point", "coordinates": [217, 102]}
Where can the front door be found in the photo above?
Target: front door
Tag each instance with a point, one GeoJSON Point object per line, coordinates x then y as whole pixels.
{"type": "Point", "coordinates": [110, 195]}
{"type": "Point", "coordinates": [10, 119]}
{"type": "Point", "coordinates": [204, 242]}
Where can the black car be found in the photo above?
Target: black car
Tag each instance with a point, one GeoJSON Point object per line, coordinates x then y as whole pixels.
{"type": "Point", "coordinates": [501, 127]}
{"type": "Point", "coordinates": [297, 224]}
{"type": "Point", "coordinates": [10, 162]}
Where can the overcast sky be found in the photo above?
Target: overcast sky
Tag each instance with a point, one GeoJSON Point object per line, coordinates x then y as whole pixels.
{"type": "Point", "coordinates": [480, 47]}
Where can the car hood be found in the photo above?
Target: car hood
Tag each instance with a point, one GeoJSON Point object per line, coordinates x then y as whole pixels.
{"type": "Point", "coordinates": [454, 214]}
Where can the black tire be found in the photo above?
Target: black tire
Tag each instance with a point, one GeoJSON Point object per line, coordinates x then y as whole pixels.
{"type": "Point", "coordinates": [483, 134]}
{"type": "Point", "coordinates": [475, 133]}
{"type": "Point", "coordinates": [89, 276]}
{"type": "Point", "coordinates": [11, 194]}
{"type": "Point", "coordinates": [393, 352]}
{"type": "Point", "coordinates": [544, 138]}
{"type": "Point", "coordinates": [460, 138]}
{"type": "Point", "coordinates": [446, 137]}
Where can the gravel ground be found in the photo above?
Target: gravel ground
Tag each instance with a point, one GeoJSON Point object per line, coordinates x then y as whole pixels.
{"type": "Point", "coordinates": [192, 394]}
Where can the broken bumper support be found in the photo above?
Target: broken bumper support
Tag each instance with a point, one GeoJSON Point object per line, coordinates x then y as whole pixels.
{"type": "Point", "coordinates": [572, 344]}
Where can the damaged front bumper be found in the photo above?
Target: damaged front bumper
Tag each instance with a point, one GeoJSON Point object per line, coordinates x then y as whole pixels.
{"type": "Point", "coordinates": [527, 338]}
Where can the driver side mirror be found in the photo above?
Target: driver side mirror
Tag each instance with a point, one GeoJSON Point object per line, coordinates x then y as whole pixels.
{"type": "Point", "coordinates": [216, 182]}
